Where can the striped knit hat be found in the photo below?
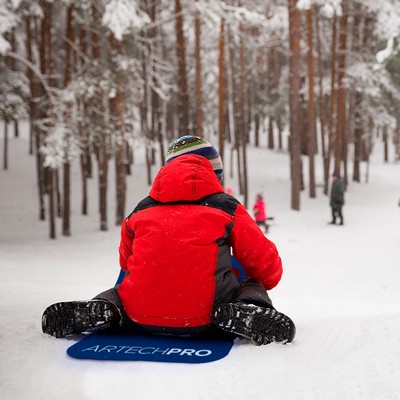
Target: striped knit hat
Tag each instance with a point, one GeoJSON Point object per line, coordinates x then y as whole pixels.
{"type": "Point", "coordinates": [195, 145]}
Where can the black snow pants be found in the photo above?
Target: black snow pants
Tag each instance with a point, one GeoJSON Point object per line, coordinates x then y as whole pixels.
{"type": "Point", "coordinates": [249, 291]}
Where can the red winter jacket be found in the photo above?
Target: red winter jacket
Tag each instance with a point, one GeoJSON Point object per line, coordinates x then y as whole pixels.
{"type": "Point", "coordinates": [175, 247]}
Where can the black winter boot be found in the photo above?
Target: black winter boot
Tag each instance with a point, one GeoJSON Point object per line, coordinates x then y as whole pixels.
{"type": "Point", "coordinates": [73, 317]}
{"type": "Point", "coordinates": [261, 325]}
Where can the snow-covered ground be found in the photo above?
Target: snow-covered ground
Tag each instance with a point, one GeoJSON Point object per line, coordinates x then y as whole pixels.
{"type": "Point", "coordinates": [341, 286]}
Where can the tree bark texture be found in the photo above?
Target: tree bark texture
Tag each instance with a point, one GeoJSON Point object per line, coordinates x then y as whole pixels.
{"type": "Point", "coordinates": [321, 97]}
{"type": "Point", "coordinates": [311, 104]}
{"type": "Point", "coordinates": [294, 90]}
{"type": "Point", "coordinates": [341, 92]}
{"type": "Point", "coordinates": [243, 124]}
{"type": "Point", "coordinates": [102, 152]}
{"type": "Point", "coordinates": [332, 102]}
{"type": "Point", "coordinates": [182, 96]}
{"type": "Point", "coordinates": [199, 116]}
{"type": "Point", "coordinates": [117, 114]}
{"type": "Point", "coordinates": [5, 146]}
{"type": "Point", "coordinates": [66, 225]}
{"type": "Point", "coordinates": [46, 67]}
{"type": "Point", "coordinates": [221, 90]}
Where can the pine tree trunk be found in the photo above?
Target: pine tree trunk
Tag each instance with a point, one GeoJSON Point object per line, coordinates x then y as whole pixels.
{"type": "Point", "coordinates": [294, 89]}
{"type": "Point", "coordinates": [150, 93]}
{"type": "Point", "coordinates": [228, 129]}
{"type": "Point", "coordinates": [16, 129]}
{"type": "Point", "coordinates": [85, 158]}
{"type": "Point", "coordinates": [280, 131]}
{"type": "Point", "coordinates": [120, 168]}
{"type": "Point", "coordinates": [311, 107]}
{"type": "Point", "coordinates": [84, 186]}
{"type": "Point", "coordinates": [182, 98]}
{"type": "Point", "coordinates": [332, 102]}
{"type": "Point", "coordinates": [346, 137]}
{"type": "Point", "coordinates": [40, 174]}
{"type": "Point", "coordinates": [5, 147]}
{"type": "Point", "coordinates": [359, 122]}
{"type": "Point", "coordinates": [385, 144]}
{"type": "Point", "coordinates": [357, 138]}
{"type": "Point", "coordinates": [272, 85]}
{"type": "Point", "coordinates": [356, 103]}
{"type": "Point", "coordinates": [271, 142]}
{"type": "Point", "coordinates": [250, 91]}
{"type": "Point", "coordinates": [51, 200]}
{"type": "Point", "coordinates": [259, 94]}
{"type": "Point", "coordinates": [243, 125]}
{"type": "Point", "coordinates": [235, 111]}
{"type": "Point", "coordinates": [57, 193]}
{"type": "Point", "coordinates": [66, 225]}
{"type": "Point", "coordinates": [257, 129]}
{"type": "Point", "coordinates": [156, 102]}
{"type": "Point", "coordinates": [102, 146]}
{"type": "Point", "coordinates": [199, 116]}
{"type": "Point", "coordinates": [341, 93]}
{"type": "Point", "coordinates": [129, 158]}
{"type": "Point", "coordinates": [396, 139]}
{"type": "Point", "coordinates": [144, 122]}
{"type": "Point", "coordinates": [12, 64]}
{"type": "Point", "coordinates": [117, 108]}
{"type": "Point", "coordinates": [221, 90]}
{"type": "Point", "coordinates": [321, 102]}
{"type": "Point", "coordinates": [34, 136]}
{"type": "Point", "coordinates": [46, 67]}
{"type": "Point", "coordinates": [103, 185]}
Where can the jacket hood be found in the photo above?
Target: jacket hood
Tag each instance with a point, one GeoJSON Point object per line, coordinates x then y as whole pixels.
{"type": "Point", "coordinates": [186, 178]}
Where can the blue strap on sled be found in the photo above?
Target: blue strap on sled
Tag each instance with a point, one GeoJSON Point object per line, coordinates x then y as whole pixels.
{"type": "Point", "coordinates": [120, 277]}
{"type": "Point", "coordinates": [237, 266]}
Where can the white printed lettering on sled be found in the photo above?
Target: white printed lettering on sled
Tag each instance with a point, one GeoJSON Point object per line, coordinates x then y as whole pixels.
{"type": "Point", "coordinates": [149, 350]}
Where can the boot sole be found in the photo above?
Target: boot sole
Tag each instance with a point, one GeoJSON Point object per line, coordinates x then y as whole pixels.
{"type": "Point", "coordinates": [74, 317]}
{"type": "Point", "coordinates": [258, 324]}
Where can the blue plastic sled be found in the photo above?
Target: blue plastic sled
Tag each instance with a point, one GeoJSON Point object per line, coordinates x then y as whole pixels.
{"type": "Point", "coordinates": [134, 346]}
{"type": "Point", "coordinates": [140, 346]}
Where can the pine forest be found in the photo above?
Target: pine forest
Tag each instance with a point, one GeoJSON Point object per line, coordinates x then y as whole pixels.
{"type": "Point", "coordinates": [319, 79]}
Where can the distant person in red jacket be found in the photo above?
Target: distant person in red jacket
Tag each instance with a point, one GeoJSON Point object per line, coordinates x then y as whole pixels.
{"type": "Point", "coordinates": [260, 214]}
{"type": "Point", "coordinates": [229, 190]}
{"type": "Point", "coordinates": [175, 250]}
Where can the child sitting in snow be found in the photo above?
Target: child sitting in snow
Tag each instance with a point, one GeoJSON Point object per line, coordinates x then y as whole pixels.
{"type": "Point", "coordinates": [175, 250]}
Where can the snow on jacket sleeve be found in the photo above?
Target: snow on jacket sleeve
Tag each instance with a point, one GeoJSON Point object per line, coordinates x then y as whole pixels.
{"type": "Point", "coordinates": [125, 246]}
{"type": "Point", "coordinates": [257, 254]}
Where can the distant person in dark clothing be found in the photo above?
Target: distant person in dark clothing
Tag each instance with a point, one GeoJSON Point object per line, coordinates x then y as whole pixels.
{"type": "Point", "coordinates": [337, 198]}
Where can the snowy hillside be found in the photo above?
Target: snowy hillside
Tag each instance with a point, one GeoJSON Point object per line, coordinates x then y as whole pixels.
{"type": "Point", "coordinates": [341, 286]}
